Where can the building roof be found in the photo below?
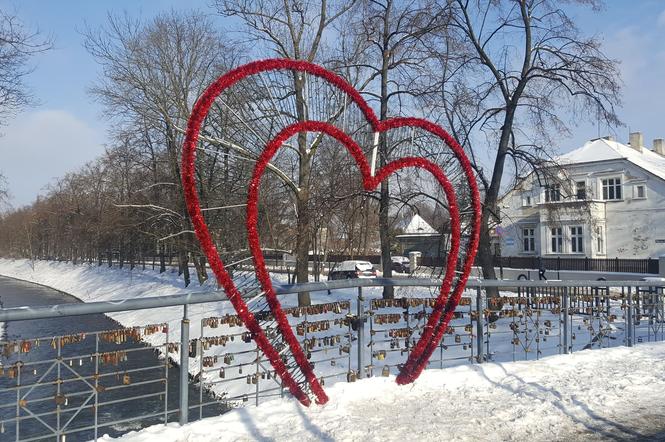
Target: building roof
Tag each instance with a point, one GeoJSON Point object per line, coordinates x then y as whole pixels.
{"type": "Point", "coordinates": [602, 149]}
{"type": "Point", "coordinates": [418, 227]}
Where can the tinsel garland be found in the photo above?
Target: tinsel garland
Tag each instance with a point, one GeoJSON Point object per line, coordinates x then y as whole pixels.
{"type": "Point", "coordinates": [444, 306]}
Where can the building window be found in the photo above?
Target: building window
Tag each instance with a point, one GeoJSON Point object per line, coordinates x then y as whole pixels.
{"type": "Point", "coordinates": [612, 189]}
{"type": "Point", "coordinates": [528, 240]}
{"type": "Point", "coordinates": [553, 193]}
{"type": "Point", "coordinates": [526, 200]}
{"type": "Point", "coordinates": [557, 239]}
{"type": "Point", "coordinates": [580, 188]}
{"type": "Point", "coordinates": [600, 240]}
{"type": "Point", "coordinates": [576, 240]}
{"type": "Point", "coordinates": [640, 191]}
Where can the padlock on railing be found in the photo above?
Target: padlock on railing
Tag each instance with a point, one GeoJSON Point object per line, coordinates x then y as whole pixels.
{"type": "Point", "coordinates": [351, 376]}
{"type": "Point", "coordinates": [192, 348]}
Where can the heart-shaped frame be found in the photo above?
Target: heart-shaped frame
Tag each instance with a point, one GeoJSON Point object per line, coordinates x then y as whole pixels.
{"type": "Point", "coordinates": [444, 307]}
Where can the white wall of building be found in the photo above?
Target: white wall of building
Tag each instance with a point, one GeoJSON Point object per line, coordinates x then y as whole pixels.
{"type": "Point", "coordinates": [629, 227]}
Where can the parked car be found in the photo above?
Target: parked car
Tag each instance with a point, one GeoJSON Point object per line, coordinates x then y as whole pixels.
{"type": "Point", "coordinates": [352, 269]}
{"type": "Point", "coordinates": [400, 264]}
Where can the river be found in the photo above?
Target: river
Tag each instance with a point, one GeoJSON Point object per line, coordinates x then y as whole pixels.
{"type": "Point", "coordinates": [14, 293]}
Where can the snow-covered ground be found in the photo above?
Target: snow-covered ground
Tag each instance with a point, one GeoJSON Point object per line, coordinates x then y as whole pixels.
{"type": "Point", "coordinates": [591, 395]}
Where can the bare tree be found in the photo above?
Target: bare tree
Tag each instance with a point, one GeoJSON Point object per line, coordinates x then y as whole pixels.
{"type": "Point", "coordinates": [392, 40]}
{"type": "Point", "coordinates": [295, 30]}
{"type": "Point", "coordinates": [4, 192]}
{"type": "Point", "coordinates": [17, 45]}
{"type": "Point", "coordinates": [514, 75]}
{"type": "Point", "coordinates": [152, 73]}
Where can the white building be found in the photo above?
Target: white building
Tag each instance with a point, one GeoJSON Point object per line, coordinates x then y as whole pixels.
{"type": "Point", "coordinates": [610, 203]}
{"type": "Point", "coordinates": [419, 236]}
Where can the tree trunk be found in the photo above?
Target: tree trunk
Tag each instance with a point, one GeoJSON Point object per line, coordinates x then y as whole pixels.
{"type": "Point", "coordinates": [384, 201]}
{"type": "Point", "coordinates": [201, 273]}
{"type": "Point", "coordinates": [384, 235]}
{"type": "Point", "coordinates": [485, 255]}
{"type": "Point", "coordinates": [162, 260]}
{"type": "Point", "coordinates": [302, 196]}
{"type": "Point", "coordinates": [302, 246]}
{"type": "Point", "coordinates": [183, 260]}
{"type": "Point", "coordinates": [490, 208]}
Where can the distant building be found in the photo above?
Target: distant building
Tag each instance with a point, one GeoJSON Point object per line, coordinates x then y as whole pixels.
{"type": "Point", "coordinates": [612, 204]}
{"type": "Point", "coordinates": [419, 236]}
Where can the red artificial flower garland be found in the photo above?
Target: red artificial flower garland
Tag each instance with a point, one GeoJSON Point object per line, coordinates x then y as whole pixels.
{"type": "Point", "coordinates": [444, 306]}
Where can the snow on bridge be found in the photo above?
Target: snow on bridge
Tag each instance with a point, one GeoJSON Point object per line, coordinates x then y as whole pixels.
{"type": "Point", "coordinates": [592, 395]}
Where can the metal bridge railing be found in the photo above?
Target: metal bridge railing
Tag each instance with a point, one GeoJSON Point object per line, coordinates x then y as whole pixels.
{"type": "Point", "coordinates": [348, 334]}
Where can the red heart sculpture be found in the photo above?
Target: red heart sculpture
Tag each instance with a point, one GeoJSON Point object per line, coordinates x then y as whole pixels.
{"type": "Point", "coordinates": [444, 306]}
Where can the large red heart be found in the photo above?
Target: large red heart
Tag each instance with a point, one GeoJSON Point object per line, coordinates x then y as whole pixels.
{"type": "Point", "coordinates": [444, 307]}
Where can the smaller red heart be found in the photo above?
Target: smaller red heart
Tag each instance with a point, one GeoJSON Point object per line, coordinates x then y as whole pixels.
{"type": "Point", "coordinates": [369, 183]}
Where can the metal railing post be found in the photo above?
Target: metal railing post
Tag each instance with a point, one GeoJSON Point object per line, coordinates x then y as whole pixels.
{"type": "Point", "coordinates": [96, 409]}
{"type": "Point", "coordinates": [629, 318]}
{"type": "Point", "coordinates": [360, 330]}
{"type": "Point", "coordinates": [167, 361]}
{"type": "Point", "coordinates": [199, 353]}
{"type": "Point", "coordinates": [258, 374]}
{"type": "Point", "coordinates": [58, 388]}
{"type": "Point", "coordinates": [184, 367]}
{"type": "Point", "coordinates": [566, 320]}
{"type": "Point", "coordinates": [480, 324]}
{"type": "Point", "coordinates": [18, 402]}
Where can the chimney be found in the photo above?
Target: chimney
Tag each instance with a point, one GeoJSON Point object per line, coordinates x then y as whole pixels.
{"type": "Point", "coordinates": [636, 141]}
{"type": "Point", "coordinates": [659, 146]}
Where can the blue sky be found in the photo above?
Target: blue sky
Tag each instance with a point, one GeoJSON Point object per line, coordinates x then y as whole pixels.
{"type": "Point", "coordinates": [66, 129]}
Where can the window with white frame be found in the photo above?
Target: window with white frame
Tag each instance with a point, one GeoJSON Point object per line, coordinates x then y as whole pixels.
{"type": "Point", "coordinates": [580, 190]}
{"type": "Point", "coordinates": [556, 240]}
{"type": "Point", "coordinates": [612, 188]}
{"type": "Point", "coordinates": [529, 239]}
{"type": "Point", "coordinates": [526, 200]}
{"type": "Point", "coordinates": [576, 239]}
{"type": "Point", "coordinates": [600, 240]}
{"type": "Point", "coordinates": [553, 193]}
{"type": "Point", "coordinates": [639, 191]}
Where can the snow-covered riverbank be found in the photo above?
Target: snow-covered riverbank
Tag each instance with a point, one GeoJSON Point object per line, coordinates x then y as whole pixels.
{"type": "Point", "coordinates": [591, 395]}
{"type": "Point", "coordinates": [92, 283]}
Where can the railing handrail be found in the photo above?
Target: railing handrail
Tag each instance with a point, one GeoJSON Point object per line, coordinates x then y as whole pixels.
{"type": "Point", "coordinates": [61, 310]}
{"type": "Point", "coordinates": [471, 283]}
